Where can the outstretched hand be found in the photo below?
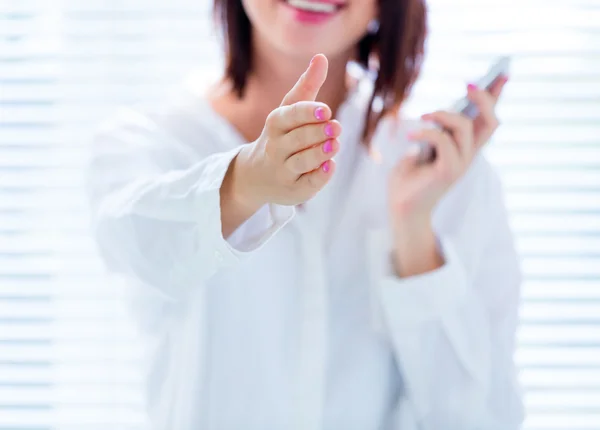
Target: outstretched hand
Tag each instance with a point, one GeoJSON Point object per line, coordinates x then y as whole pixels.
{"type": "Point", "coordinates": [292, 159]}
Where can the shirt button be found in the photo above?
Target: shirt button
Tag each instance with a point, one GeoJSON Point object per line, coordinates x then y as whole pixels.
{"type": "Point", "coordinates": [219, 256]}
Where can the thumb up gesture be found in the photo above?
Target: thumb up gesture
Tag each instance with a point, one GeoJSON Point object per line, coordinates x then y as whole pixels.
{"type": "Point", "coordinates": [291, 160]}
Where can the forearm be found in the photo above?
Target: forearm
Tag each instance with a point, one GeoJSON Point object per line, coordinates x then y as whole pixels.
{"type": "Point", "coordinates": [237, 203]}
{"type": "Point", "coordinates": [160, 226]}
{"type": "Point", "coordinates": [461, 359]}
{"type": "Point", "coordinates": [448, 346]}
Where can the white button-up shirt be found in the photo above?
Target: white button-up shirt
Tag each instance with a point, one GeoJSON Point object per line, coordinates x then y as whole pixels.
{"type": "Point", "coordinates": [296, 321]}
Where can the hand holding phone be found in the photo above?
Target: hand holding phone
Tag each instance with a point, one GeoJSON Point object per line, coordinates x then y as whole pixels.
{"type": "Point", "coordinates": [465, 106]}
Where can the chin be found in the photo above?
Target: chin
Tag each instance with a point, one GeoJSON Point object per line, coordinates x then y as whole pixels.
{"type": "Point", "coordinates": [302, 28]}
{"type": "Point", "coordinates": [307, 27]}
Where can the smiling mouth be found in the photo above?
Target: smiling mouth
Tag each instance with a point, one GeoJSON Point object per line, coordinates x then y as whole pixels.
{"type": "Point", "coordinates": [314, 6]}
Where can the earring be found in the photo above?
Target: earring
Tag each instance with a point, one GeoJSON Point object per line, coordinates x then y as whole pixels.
{"type": "Point", "coordinates": [373, 27]}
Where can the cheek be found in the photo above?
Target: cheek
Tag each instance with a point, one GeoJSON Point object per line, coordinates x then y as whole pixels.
{"type": "Point", "coordinates": [357, 23]}
{"type": "Point", "coordinates": [368, 10]}
{"type": "Point", "coordinates": [360, 17]}
{"type": "Point", "coordinates": [260, 12]}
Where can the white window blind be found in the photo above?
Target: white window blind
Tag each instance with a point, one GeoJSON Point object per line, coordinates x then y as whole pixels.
{"type": "Point", "coordinates": [68, 356]}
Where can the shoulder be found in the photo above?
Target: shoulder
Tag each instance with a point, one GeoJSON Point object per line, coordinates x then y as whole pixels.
{"type": "Point", "coordinates": [181, 127]}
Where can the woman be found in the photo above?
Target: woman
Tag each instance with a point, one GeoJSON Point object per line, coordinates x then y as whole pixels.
{"type": "Point", "coordinates": [281, 289]}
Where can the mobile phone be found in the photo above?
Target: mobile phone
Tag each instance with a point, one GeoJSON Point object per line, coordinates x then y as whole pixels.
{"type": "Point", "coordinates": [464, 106]}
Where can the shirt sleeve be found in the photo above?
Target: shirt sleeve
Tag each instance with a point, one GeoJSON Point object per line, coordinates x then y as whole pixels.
{"type": "Point", "coordinates": [453, 329]}
{"type": "Point", "coordinates": [163, 225]}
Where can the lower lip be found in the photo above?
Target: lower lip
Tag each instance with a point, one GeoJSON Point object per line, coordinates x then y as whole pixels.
{"type": "Point", "coordinates": [306, 17]}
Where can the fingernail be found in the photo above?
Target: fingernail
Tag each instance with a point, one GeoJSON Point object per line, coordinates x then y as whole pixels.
{"type": "Point", "coordinates": [328, 147]}
{"type": "Point", "coordinates": [471, 87]}
{"type": "Point", "coordinates": [312, 60]}
{"type": "Point", "coordinates": [504, 78]}
{"type": "Point", "coordinates": [329, 130]}
{"type": "Point", "coordinates": [325, 166]}
{"type": "Point", "coordinates": [320, 113]}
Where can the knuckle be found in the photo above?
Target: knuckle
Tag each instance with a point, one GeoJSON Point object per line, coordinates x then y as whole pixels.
{"type": "Point", "coordinates": [442, 138]}
{"type": "Point", "coordinates": [293, 138]}
{"type": "Point", "coordinates": [444, 173]}
{"type": "Point", "coordinates": [308, 86]}
{"type": "Point", "coordinates": [289, 182]}
{"type": "Point", "coordinates": [488, 97]}
{"type": "Point", "coordinates": [319, 157]}
{"type": "Point", "coordinates": [304, 135]}
{"type": "Point", "coordinates": [446, 137]}
{"type": "Point", "coordinates": [313, 181]}
{"type": "Point", "coordinates": [425, 135]}
{"type": "Point", "coordinates": [466, 123]}
{"type": "Point", "coordinates": [439, 136]}
{"type": "Point", "coordinates": [272, 118]}
{"type": "Point", "coordinates": [294, 110]}
{"type": "Point", "coordinates": [467, 127]}
{"type": "Point", "coordinates": [445, 116]}
{"type": "Point", "coordinates": [270, 149]}
{"type": "Point", "coordinates": [298, 164]}
{"type": "Point", "coordinates": [315, 157]}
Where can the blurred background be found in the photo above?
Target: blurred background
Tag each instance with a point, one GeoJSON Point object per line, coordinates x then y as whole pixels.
{"type": "Point", "coordinates": [68, 356]}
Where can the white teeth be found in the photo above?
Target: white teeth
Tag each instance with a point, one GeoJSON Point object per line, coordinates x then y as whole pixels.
{"type": "Point", "coordinates": [312, 6]}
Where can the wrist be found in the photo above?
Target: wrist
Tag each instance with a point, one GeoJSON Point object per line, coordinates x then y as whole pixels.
{"type": "Point", "coordinates": [412, 222]}
{"type": "Point", "coordinates": [243, 190]}
{"type": "Point", "coordinates": [416, 249]}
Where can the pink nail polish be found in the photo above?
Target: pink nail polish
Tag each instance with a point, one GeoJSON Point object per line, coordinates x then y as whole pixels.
{"type": "Point", "coordinates": [329, 130]}
{"type": "Point", "coordinates": [328, 147]}
{"type": "Point", "coordinates": [471, 87]}
{"type": "Point", "coordinates": [325, 166]}
{"type": "Point", "coordinates": [320, 113]}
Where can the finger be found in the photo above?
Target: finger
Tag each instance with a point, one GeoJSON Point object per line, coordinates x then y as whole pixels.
{"type": "Point", "coordinates": [496, 88]}
{"type": "Point", "coordinates": [310, 159]}
{"type": "Point", "coordinates": [310, 82]}
{"type": "Point", "coordinates": [310, 135]}
{"type": "Point", "coordinates": [410, 161]}
{"type": "Point", "coordinates": [448, 164]}
{"type": "Point", "coordinates": [459, 126]}
{"type": "Point", "coordinates": [442, 142]}
{"type": "Point", "coordinates": [482, 98]}
{"type": "Point", "coordinates": [317, 179]}
{"type": "Point", "coordinates": [486, 104]}
{"type": "Point", "coordinates": [286, 118]}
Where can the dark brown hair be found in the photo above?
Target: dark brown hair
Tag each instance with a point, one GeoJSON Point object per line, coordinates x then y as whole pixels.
{"type": "Point", "coordinates": [396, 49]}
